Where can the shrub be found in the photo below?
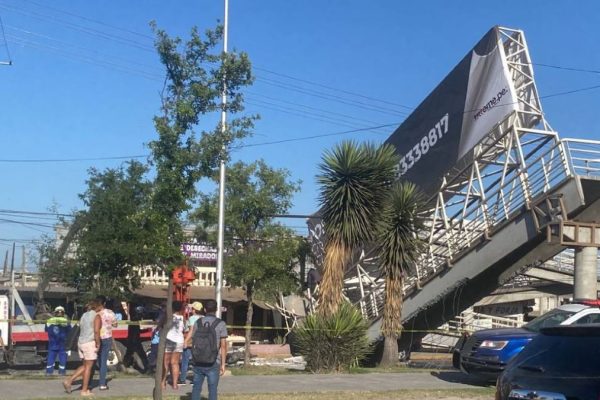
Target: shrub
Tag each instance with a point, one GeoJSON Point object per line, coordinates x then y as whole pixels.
{"type": "Point", "coordinates": [333, 343]}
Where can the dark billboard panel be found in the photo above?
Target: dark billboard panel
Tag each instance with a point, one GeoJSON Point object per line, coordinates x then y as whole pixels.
{"type": "Point", "coordinates": [440, 134]}
{"type": "Point", "coordinates": [316, 239]}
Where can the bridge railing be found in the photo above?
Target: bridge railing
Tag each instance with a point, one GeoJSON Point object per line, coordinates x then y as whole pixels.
{"type": "Point", "coordinates": [584, 156]}
{"type": "Point", "coordinates": [149, 275]}
{"type": "Point", "coordinates": [471, 321]}
{"type": "Point", "coordinates": [459, 223]}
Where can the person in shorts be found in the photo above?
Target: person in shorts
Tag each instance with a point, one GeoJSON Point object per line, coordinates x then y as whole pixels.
{"type": "Point", "coordinates": [210, 372]}
{"type": "Point", "coordinates": [174, 346]}
{"type": "Point", "coordinates": [88, 345]}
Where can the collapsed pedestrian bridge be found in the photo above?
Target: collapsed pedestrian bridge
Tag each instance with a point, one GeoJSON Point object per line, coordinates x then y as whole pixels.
{"type": "Point", "coordinates": [506, 192]}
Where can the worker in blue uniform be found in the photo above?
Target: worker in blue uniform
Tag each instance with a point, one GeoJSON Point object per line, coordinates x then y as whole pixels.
{"type": "Point", "coordinates": [58, 328]}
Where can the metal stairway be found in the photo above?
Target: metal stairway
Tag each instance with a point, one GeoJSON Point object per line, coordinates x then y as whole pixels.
{"type": "Point", "coordinates": [496, 217]}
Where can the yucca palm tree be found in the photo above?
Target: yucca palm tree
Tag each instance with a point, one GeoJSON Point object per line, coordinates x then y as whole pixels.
{"type": "Point", "coordinates": [399, 248]}
{"type": "Point", "coordinates": [353, 179]}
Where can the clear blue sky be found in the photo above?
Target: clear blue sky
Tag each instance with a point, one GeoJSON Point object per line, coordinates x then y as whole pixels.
{"type": "Point", "coordinates": [85, 80]}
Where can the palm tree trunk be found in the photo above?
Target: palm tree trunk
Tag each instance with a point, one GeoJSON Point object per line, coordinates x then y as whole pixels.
{"type": "Point", "coordinates": [249, 312]}
{"type": "Point", "coordinates": [330, 289]}
{"type": "Point", "coordinates": [392, 325]}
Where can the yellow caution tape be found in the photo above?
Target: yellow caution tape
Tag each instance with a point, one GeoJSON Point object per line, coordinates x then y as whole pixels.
{"type": "Point", "coordinates": [151, 323]}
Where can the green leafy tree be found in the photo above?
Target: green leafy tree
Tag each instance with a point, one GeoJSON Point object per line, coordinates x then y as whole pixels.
{"type": "Point", "coordinates": [399, 249]}
{"type": "Point", "coordinates": [260, 252]}
{"type": "Point", "coordinates": [353, 179]}
{"type": "Point", "coordinates": [106, 239]}
{"type": "Point", "coordinates": [113, 235]}
{"type": "Point", "coordinates": [196, 76]}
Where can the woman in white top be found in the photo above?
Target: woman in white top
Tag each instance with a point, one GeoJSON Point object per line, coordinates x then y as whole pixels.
{"type": "Point", "coordinates": [174, 346]}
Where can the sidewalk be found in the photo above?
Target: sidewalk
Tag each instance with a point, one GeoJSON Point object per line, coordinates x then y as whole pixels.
{"type": "Point", "coordinates": [17, 389]}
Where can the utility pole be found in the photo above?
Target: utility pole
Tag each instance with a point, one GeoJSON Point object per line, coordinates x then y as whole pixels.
{"type": "Point", "coordinates": [221, 234]}
{"type": "Point", "coordinates": [5, 263]}
{"type": "Point", "coordinates": [23, 267]}
{"type": "Point", "coordinates": [9, 62]}
{"type": "Point", "coordinates": [12, 261]}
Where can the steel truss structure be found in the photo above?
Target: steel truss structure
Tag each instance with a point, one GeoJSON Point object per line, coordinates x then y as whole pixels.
{"type": "Point", "coordinates": [514, 169]}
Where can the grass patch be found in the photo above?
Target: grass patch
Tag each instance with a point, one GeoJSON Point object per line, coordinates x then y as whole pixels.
{"type": "Point", "coordinates": [448, 394]}
{"type": "Point", "coordinates": [396, 369]}
{"type": "Point", "coordinates": [263, 370]}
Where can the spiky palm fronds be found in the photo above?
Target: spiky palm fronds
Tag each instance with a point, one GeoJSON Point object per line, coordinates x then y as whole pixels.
{"type": "Point", "coordinates": [333, 343]}
{"type": "Point", "coordinates": [399, 250]}
{"type": "Point", "coordinates": [398, 241]}
{"type": "Point", "coordinates": [353, 181]}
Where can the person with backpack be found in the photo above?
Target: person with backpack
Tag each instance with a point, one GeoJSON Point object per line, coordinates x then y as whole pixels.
{"type": "Point", "coordinates": [207, 338]}
{"type": "Point", "coordinates": [187, 351]}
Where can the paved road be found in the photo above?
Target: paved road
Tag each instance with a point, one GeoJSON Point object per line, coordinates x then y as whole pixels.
{"type": "Point", "coordinates": [16, 389]}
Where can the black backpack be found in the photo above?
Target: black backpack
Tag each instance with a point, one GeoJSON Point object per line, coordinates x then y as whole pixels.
{"type": "Point", "coordinates": [205, 343]}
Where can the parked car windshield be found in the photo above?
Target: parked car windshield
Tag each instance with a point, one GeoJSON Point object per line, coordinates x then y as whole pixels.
{"type": "Point", "coordinates": [561, 356]}
{"type": "Point", "coordinates": [550, 319]}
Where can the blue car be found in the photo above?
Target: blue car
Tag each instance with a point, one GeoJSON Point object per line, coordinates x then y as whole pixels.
{"type": "Point", "coordinates": [485, 353]}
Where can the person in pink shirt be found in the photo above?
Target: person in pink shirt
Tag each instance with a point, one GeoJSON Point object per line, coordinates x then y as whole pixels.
{"type": "Point", "coordinates": [108, 321]}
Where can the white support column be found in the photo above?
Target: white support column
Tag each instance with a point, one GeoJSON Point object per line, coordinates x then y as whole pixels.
{"type": "Point", "coordinates": [586, 280]}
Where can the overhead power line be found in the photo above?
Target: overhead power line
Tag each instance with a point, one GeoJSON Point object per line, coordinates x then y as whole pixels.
{"type": "Point", "coordinates": [299, 139]}
{"type": "Point", "coordinates": [5, 211]}
{"type": "Point", "coordinates": [26, 223]}
{"type": "Point", "coordinates": [333, 88]}
{"type": "Point", "coordinates": [318, 109]}
{"type": "Point", "coordinates": [21, 240]}
{"type": "Point", "coordinates": [58, 160]}
{"type": "Point", "coordinates": [92, 20]}
{"type": "Point", "coordinates": [85, 58]}
{"type": "Point", "coordinates": [590, 71]}
{"type": "Point", "coordinates": [110, 62]}
{"type": "Point", "coordinates": [303, 113]}
{"type": "Point", "coordinates": [79, 28]}
{"type": "Point", "coordinates": [583, 89]}
{"type": "Point", "coordinates": [330, 97]}
{"type": "Point", "coordinates": [150, 75]}
{"type": "Point", "coordinates": [94, 51]}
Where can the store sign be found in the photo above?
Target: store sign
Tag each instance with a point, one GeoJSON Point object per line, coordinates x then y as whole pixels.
{"type": "Point", "coordinates": [199, 252]}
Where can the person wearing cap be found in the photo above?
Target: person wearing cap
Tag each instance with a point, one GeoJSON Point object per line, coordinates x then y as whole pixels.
{"type": "Point", "coordinates": [187, 352]}
{"type": "Point", "coordinates": [58, 328]}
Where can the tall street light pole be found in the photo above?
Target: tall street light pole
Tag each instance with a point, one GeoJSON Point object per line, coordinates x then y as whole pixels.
{"type": "Point", "coordinates": [219, 278]}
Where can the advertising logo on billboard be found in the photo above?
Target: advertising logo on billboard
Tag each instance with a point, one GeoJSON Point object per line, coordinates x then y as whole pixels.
{"type": "Point", "coordinates": [440, 134]}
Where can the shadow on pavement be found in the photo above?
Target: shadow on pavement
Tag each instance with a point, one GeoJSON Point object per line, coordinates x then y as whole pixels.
{"type": "Point", "coordinates": [459, 377]}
